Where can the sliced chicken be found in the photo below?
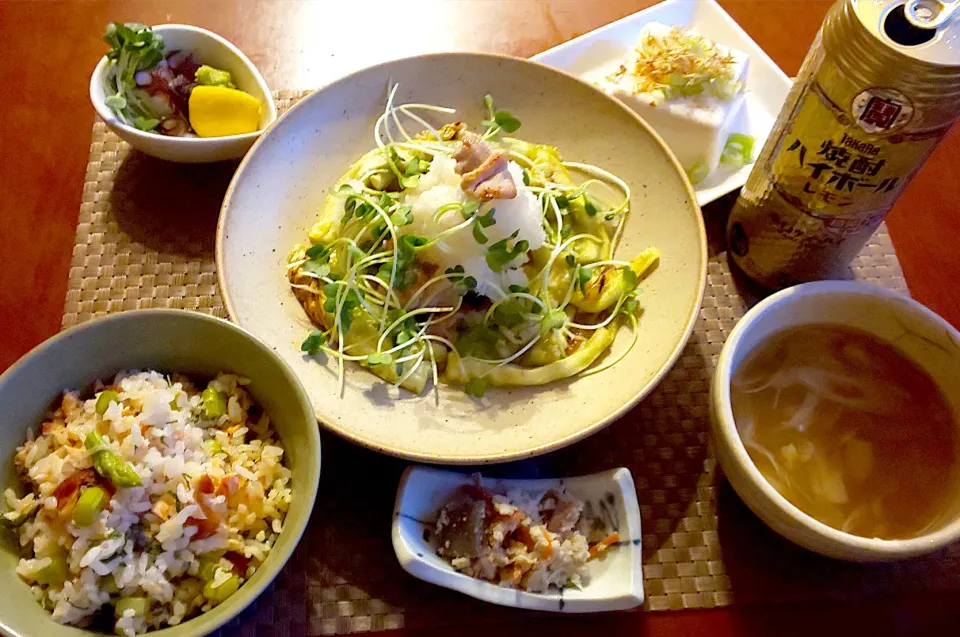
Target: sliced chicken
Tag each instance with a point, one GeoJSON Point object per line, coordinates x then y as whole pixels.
{"type": "Point", "coordinates": [483, 169]}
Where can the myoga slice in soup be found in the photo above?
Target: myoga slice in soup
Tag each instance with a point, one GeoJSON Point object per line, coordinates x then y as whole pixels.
{"type": "Point", "coordinates": [470, 258]}
{"type": "Point", "coordinates": [147, 503]}
{"type": "Point", "coordinates": [849, 430]}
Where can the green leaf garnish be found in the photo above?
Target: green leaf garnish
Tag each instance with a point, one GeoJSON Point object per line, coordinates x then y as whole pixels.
{"type": "Point", "coordinates": [404, 331]}
{"type": "Point", "coordinates": [509, 313]}
{"type": "Point", "coordinates": [318, 251]}
{"type": "Point", "coordinates": [519, 289]}
{"type": "Point", "coordinates": [629, 306]}
{"type": "Point", "coordinates": [406, 253]}
{"type": "Point", "coordinates": [630, 281]}
{"type": "Point", "coordinates": [502, 119]}
{"type": "Point", "coordinates": [478, 234]}
{"type": "Point", "coordinates": [469, 209]}
{"type": "Point", "coordinates": [589, 207]}
{"type": "Point", "coordinates": [379, 359]}
{"type": "Point", "coordinates": [146, 123]}
{"type": "Point", "coordinates": [331, 289]}
{"type": "Point", "coordinates": [499, 255]}
{"type": "Point", "coordinates": [313, 343]}
{"type": "Point", "coordinates": [488, 102]}
{"type": "Point", "coordinates": [318, 261]}
{"type": "Point", "coordinates": [116, 102]}
{"type": "Point", "coordinates": [408, 246]}
{"type": "Point", "coordinates": [350, 303]}
{"type": "Point", "coordinates": [583, 277]}
{"type": "Point", "coordinates": [483, 221]}
{"type": "Point", "coordinates": [355, 251]}
{"type": "Point", "coordinates": [461, 283]}
{"type": "Point", "coordinates": [476, 387]}
{"type": "Point", "coordinates": [403, 216]}
{"type": "Point", "coordinates": [357, 206]}
{"type": "Point", "coordinates": [317, 268]}
{"type": "Point", "coordinates": [479, 341]}
{"type": "Point", "coordinates": [562, 202]}
{"type": "Point", "coordinates": [133, 48]}
{"type": "Point", "coordinates": [506, 121]}
{"type": "Point", "coordinates": [413, 168]}
{"type": "Point", "coordinates": [554, 319]}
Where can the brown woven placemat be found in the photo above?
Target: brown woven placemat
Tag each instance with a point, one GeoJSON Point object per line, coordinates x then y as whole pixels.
{"type": "Point", "coordinates": [145, 238]}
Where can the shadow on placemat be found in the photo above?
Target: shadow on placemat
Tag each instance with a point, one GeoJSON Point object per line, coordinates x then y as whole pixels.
{"type": "Point", "coordinates": [160, 204]}
{"type": "Point", "coordinates": [715, 215]}
{"type": "Point", "coordinates": [766, 568]}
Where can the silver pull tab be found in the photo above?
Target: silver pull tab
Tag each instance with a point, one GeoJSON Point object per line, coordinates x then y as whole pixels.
{"type": "Point", "coordinates": [929, 14]}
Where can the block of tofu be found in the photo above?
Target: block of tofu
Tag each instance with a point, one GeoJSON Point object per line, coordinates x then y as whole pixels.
{"type": "Point", "coordinates": [687, 87]}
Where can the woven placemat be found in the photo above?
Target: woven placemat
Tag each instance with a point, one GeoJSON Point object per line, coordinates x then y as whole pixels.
{"type": "Point", "coordinates": [145, 238]}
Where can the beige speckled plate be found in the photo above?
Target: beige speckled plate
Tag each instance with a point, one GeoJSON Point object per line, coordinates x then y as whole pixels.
{"type": "Point", "coordinates": [280, 186]}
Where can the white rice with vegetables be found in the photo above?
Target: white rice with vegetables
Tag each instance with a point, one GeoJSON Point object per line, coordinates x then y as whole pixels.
{"type": "Point", "coordinates": [148, 503]}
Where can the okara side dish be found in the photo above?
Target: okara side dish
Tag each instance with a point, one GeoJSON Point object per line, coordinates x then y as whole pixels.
{"type": "Point", "coordinates": [521, 540]}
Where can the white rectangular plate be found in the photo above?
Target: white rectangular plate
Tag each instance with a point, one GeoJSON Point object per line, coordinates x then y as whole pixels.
{"type": "Point", "coordinates": [598, 52]}
{"type": "Point", "coordinates": [616, 580]}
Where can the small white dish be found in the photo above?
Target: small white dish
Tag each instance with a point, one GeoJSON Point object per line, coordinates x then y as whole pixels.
{"type": "Point", "coordinates": [616, 580]}
{"type": "Point", "coordinates": [916, 331]}
{"type": "Point", "coordinates": [210, 49]}
{"type": "Point", "coordinates": [593, 55]}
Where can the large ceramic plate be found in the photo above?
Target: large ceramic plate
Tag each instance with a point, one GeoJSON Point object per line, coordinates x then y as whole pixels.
{"type": "Point", "coordinates": [593, 55]}
{"type": "Point", "coordinates": [280, 186]}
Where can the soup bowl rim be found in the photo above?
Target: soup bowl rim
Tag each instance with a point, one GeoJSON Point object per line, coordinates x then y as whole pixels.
{"type": "Point", "coordinates": [750, 484]}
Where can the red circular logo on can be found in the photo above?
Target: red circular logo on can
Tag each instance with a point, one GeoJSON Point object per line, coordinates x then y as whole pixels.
{"type": "Point", "coordinates": [881, 110]}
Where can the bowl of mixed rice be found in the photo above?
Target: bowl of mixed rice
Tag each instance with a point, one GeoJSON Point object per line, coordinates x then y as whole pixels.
{"type": "Point", "coordinates": [161, 467]}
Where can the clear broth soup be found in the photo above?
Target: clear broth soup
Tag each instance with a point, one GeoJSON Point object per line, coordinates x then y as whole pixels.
{"type": "Point", "coordinates": [849, 430]}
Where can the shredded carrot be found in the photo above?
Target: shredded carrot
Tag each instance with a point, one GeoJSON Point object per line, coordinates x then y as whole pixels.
{"type": "Point", "coordinates": [597, 549]}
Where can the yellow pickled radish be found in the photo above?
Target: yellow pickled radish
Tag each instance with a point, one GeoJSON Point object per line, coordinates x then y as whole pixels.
{"type": "Point", "coordinates": [217, 111]}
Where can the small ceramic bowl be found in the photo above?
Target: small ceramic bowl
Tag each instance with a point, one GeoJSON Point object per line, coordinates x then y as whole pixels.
{"type": "Point", "coordinates": [210, 49]}
{"type": "Point", "coordinates": [165, 340]}
{"type": "Point", "coordinates": [616, 581]}
{"type": "Point", "coordinates": [913, 329]}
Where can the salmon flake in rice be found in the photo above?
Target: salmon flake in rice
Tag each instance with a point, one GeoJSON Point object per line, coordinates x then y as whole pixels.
{"type": "Point", "coordinates": [133, 497]}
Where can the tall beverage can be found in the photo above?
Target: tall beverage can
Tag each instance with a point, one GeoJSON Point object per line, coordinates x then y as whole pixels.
{"type": "Point", "coordinates": [874, 97]}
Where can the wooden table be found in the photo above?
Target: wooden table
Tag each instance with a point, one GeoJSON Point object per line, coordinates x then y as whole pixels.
{"type": "Point", "coordinates": [50, 48]}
